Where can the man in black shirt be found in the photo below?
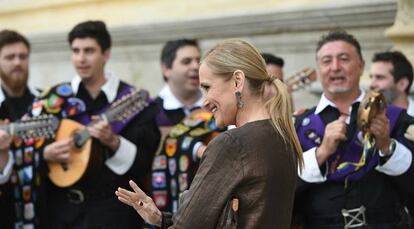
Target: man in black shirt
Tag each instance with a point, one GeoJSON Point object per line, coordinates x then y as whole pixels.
{"type": "Point", "coordinates": [15, 94]}
{"type": "Point", "coordinates": [179, 104]}
{"type": "Point", "coordinates": [15, 98]}
{"type": "Point", "coordinates": [180, 60]}
{"type": "Point", "coordinates": [128, 153]}
{"type": "Point", "coordinates": [348, 180]}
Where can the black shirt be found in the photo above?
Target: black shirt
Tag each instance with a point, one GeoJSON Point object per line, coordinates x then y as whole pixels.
{"type": "Point", "coordinates": [13, 108]}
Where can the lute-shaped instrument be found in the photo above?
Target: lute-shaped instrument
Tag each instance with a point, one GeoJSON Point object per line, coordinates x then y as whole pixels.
{"type": "Point", "coordinates": [86, 156]}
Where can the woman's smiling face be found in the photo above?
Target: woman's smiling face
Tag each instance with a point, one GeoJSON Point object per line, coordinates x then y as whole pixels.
{"type": "Point", "coordinates": [219, 96]}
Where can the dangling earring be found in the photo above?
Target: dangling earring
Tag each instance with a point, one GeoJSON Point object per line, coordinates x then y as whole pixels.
{"type": "Point", "coordinates": [240, 102]}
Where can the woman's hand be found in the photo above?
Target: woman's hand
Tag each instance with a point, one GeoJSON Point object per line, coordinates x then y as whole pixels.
{"type": "Point", "coordinates": [142, 203]}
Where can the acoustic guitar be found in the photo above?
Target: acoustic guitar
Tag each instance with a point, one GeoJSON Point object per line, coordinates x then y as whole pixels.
{"type": "Point", "coordinates": [43, 126]}
{"type": "Point", "coordinates": [301, 79]}
{"type": "Point", "coordinates": [86, 154]}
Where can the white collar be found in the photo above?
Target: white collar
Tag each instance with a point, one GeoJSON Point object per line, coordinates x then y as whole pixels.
{"type": "Point", "coordinates": [410, 108]}
{"type": "Point", "coordinates": [170, 102]}
{"type": "Point", "coordinates": [31, 89]}
{"type": "Point", "coordinates": [324, 102]}
{"type": "Point", "coordinates": [110, 88]}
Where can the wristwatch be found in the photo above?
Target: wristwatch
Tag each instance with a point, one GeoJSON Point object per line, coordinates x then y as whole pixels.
{"type": "Point", "coordinates": [391, 149]}
{"type": "Point", "coordinates": [392, 146]}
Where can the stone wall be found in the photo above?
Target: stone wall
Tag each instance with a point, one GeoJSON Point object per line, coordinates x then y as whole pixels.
{"type": "Point", "coordinates": [291, 33]}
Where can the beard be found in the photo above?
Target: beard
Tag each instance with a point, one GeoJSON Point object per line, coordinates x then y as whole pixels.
{"type": "Point", "coordinates": [14, 81]}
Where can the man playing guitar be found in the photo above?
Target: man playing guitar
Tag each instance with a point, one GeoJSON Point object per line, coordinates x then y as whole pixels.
{"type": "Point", "coordinates": [127, 152]}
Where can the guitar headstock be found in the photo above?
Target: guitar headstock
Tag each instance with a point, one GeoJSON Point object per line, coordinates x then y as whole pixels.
{"type": "Point", "coordinates": [301, 79]}
{"type": "Point", "coordinates": [128, 106]}
{"type": "Point", "coordinates": [34, 127]}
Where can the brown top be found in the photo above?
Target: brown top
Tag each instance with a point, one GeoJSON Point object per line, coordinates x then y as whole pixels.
{"type": "Point", "coordinates": [251, 163]}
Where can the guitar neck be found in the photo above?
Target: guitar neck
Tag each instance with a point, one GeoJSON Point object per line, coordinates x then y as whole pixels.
{"type": "Point", "coordinates": [15, 129]}
{"type": "Point", "coordinates": [127, 107]}
{"type": "Point", "coordinates": [42, 126]}
{"type": "Point", "coordinates": [121, 110]}
{"type": "Point", "coordinates": [8, 128]}
{"type": "Point", "coordinates": [301, 79]}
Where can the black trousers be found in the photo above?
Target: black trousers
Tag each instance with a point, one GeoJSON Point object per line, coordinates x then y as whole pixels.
{"type": "Point", "coordinates": [105, 213]}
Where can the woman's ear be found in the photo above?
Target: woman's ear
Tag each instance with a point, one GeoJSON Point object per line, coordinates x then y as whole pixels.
{"type": "Point", "coordinates": [239, 80]}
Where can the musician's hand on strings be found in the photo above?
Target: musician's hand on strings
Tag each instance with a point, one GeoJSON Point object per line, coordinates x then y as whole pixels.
{"type": "Point", "coordinates": [58, 151]}
{"type": "Point", "coordinates": [380, 128]}
{"type": "Point", "coordinates": [142, 203]}
{"type": "Point", "coordinates": [335, 132]}
{"type": "Point", "coordinates": [5, 141]}
{"type": "Point", "coordinates": [25, 117]}
{"type": "Point", "coordinates": [102, 130]}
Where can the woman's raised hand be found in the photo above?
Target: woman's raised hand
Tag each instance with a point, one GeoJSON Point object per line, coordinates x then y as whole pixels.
{"type": "Point", "coordinates": [142, 203]}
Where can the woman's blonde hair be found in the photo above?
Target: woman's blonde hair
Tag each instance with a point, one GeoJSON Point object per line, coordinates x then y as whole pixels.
{"type": "Point", "coordinates": [233, 54]}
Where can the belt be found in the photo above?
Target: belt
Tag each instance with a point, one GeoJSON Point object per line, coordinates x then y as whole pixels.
{"type": "Point", "coordinates": [79, 196]}
{"type": "Point", "coordinates": [351, 218]}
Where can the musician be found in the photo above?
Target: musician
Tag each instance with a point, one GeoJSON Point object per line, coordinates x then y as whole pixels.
{"type": "Point", "coordinates": [247, 175]}
{"type": "Point", "coordinates": [127, 154]}
{"type": "Point", "coordinates": [346, 182]}
{"type": "Point", "coordinates": [179, 104]}
{"type": "Point", "coordinates": [179, 63]}
{"type": "Point", "coordinates": [392, 73]}
{"type": "Point", "coordinates": [274, 65]}
{"type": "Point", "coordinates": [15, 98]}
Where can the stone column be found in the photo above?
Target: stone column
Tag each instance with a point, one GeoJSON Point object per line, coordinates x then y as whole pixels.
{"type": "Point", "coordinates": [402, 32]}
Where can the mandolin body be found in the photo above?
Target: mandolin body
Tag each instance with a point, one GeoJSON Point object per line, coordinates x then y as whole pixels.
{"type": "Point", "coordinates": [84, 162]}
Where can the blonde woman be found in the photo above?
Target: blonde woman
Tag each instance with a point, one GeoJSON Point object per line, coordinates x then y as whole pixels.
{"type": "Point", "coordinates": [247, 176]}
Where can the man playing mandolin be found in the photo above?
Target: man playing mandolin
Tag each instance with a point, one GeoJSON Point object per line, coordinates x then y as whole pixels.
{"type": "Point", "coordinates": [124, 137]}
{"type": "Point", "coordinates": [352, 177]}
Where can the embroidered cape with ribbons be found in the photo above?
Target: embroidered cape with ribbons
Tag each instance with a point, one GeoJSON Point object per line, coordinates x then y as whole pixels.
{"type": "Point", "coordinates": [174, 166]}
{"type": "Point", "coordinates": [344, 164]}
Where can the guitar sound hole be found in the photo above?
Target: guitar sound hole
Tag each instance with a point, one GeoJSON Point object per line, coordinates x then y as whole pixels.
{"type": "Point", "coordinates": [65, 166]}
